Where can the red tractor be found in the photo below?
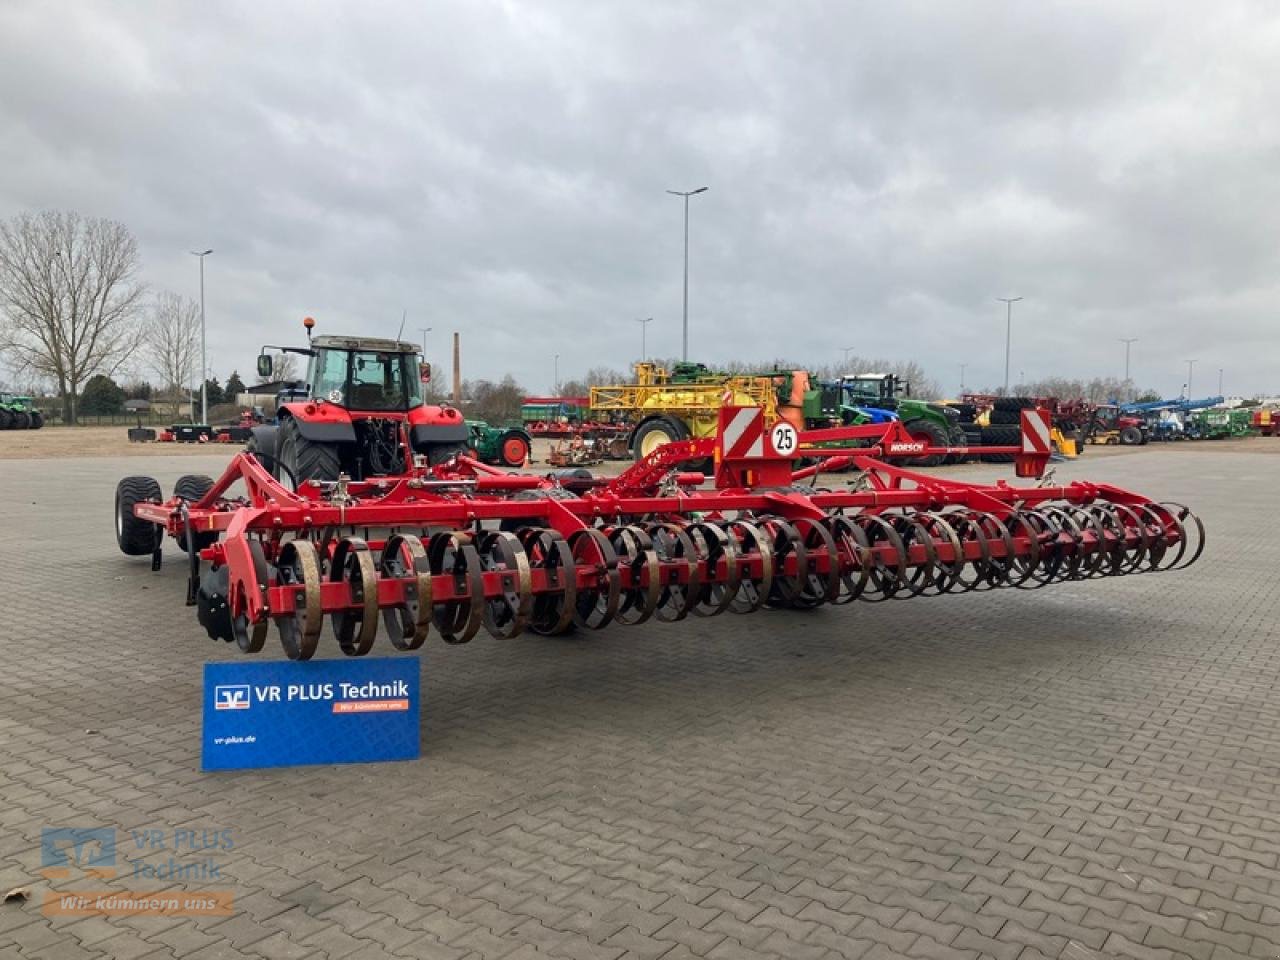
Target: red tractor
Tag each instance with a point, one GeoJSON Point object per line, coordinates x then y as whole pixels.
{"type": "Point", "coordinates": [359, 413]}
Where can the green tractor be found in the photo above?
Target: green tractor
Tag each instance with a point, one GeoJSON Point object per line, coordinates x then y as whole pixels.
{"type": "Point", "coordinates": [19, 413]}
{"type": "Point", "coordinates": [928, 423]}
{"type": "Point", "coordinates": [499, 446]}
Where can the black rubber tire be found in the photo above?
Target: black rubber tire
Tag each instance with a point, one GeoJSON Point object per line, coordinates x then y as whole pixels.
{"type": "Point", "coordinates": [506, 438]}
{"type": "Point", "coordinates": [191, 488]}
{"type": "Point", "coordinates": [6, 419]}
{"type": "Point", "coordinates": [266, 457]}
{"type": "Point", "coordinates": [958, 439]}
{"type": "Point", "coordinates": [306, 459]}
{"type": "Point", "coordinates": [1000, 437]}
{"type": "Point", "coordinates": [37, 419]}
{"type": "Point", "coordinates": [136, 538]}
{"type": "Point", "coordinates": [438, 453]}
{"type": "Point", "coordinates": [1130, 437]}
{"type": "Point", "coordinates": [1013, 403]}
{"type": "Point", "coordinates": [672, 428]}
{"type": "Point", "coordinates": [21, 420]}
{"type": "Point", "coordinates": [937, 438]}
{"type": "Point", "coordinates": [1004, 418]}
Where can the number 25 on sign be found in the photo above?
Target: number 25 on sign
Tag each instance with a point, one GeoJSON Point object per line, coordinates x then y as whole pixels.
{"type": "Point", "coordinates": [784, 438]}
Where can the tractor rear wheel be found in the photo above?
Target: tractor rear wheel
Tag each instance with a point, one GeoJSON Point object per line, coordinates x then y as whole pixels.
{"type": "Point", "coordinates": [930, 434]}
{"type": "Point", "coordinates": [1130, 436]}
{"type": "Point", "coordinates": [136, 537]}
{"type": "Point", "coordinates": [21, 420]}
{"type": "Point", "coordinates": [307, 459]}
{"type": "Point", "coordinates": [6, 419]}
{"type": "Point", "coordinates": [654, 433]}
{"type": "Point", "coordinates": [514, 449]}
{"type": "Point", "coordinates": [192, 487]}
{"type": "Point", "coordinates": [438, 453]}
{"type": "Point", "coordinates": [37, 419]}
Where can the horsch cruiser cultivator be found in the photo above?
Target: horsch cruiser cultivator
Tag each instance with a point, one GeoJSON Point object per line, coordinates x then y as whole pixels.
{"type": "Point", "coordinates": [451, 546]}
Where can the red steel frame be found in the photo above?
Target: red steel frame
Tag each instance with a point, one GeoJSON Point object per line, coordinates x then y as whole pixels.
{"type": "Point", "coordinates": [794, 544]}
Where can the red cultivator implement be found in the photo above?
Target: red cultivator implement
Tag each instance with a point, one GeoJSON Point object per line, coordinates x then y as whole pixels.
{"type": "Point", "coordinates": [457, 546]}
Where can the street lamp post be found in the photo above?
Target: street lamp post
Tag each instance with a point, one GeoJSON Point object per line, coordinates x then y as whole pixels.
{"type": "Point", "coordinates": [555, 389]}
{"type": "Point", "coordinates": [425, 331]}
{"type": "Point", "coordinates": [1191, 366]}
{"type": "Point", "coordinates": [686, 194]}
{"type": "Point", "coordinates": [846, 357]}
{"type": "Point", "coordinates": [644, 328]}
{"type": "Point", "coordinates": [962, 366]}
{"type": "Point", "coordinates": [204, 366]}
{"type": "Point", "coordinates": [1220, 382]}
{"type": "Point", "coordinates": [1008, 335]}
{"type": "Point", "coordinates": [1128, 342]}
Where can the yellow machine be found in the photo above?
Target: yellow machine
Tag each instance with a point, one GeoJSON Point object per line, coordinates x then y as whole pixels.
{"type": "Point", "coordinates": [666, 408]}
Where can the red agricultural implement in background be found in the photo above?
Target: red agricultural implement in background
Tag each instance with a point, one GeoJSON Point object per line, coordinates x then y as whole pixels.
{"type": "Point", "coordinates": [455, 545]}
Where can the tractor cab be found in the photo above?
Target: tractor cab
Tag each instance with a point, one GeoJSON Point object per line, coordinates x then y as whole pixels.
{"type": "Point", "coordinates": [360, 373]}
{"type": "Point", "coordinates": [880, 390]}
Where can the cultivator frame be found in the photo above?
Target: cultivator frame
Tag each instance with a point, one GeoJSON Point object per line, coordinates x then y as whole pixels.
{"type": "Point", "coordinates": [418, 551]}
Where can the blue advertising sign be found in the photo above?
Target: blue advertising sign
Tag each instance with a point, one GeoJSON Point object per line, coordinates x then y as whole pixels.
{"type": "Point", "coordinates": [281, 713]}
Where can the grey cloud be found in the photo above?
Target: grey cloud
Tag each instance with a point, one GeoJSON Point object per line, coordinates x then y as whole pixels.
{"type": "Point", "coordinates": [879, 174]}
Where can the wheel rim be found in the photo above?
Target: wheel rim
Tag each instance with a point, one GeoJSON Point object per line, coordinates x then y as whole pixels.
{"type": "Point", "coordinates": [513, 451]}
{"type": "Point", "coordinates": [654, 439]}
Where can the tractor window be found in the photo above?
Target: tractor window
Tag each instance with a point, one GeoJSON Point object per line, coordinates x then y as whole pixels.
{"type": "Point", "coordinates": [383, 381]}
{"type": "Point", "coordinates": [329, 376]}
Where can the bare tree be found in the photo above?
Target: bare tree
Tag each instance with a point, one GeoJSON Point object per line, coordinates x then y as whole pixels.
{"type": "Point", "coordinates": [173, 340]}
{"type": "Point", "coordinates": [70, 298]}
{"type": "Point", "coordinates": [284, 366]}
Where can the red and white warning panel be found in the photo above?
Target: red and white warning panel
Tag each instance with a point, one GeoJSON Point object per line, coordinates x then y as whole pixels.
{"type": "Point", "coordinates": [1036, 435]}
{"type": "Point", "coordinates": [741, 432]}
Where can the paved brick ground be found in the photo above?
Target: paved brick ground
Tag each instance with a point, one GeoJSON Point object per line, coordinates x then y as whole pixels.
{"type": "Point", "coordinates": [1084, 771]}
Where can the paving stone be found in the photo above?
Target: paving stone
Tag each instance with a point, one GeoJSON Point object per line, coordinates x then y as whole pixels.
{"type": "Point", "coordinates": [1088, 766]}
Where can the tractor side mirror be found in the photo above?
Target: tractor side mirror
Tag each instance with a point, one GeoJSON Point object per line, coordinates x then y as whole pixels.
{"type": "Point", "coordinates": [264, 365]}
{"type": "Point", "coordinates": [424, 372]}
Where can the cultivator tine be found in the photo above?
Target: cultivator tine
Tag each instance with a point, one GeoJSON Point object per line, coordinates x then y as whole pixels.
{"type": "Point", "coordinates": [751, 546]}
{"type": "Point", "coordinates": [550, 553]}
{"type": "Point", "coordinates": [251, 635]}
{"type": "Point", "coordinates": [638, 557]}
{"type": "Point", "coordinates": [298, 566]}
{"type": "Point", "coordinates": [356, 627]}
{"type": "Point", "coordinates": [718, 555]}
{"type": "Point", "coordinates": [682, 585]}
{"type": "Point", "coordinates": [408, 623]}
{"type": "Point", "coordinates": [592, 550]}
{"type": "Point", "coordinates": [506, 615]}
{"type": "Point", "coordinates": [452, 553]}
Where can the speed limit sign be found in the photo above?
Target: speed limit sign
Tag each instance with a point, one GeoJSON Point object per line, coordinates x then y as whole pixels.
{"type": "Point", "coordinates": [784, 438]}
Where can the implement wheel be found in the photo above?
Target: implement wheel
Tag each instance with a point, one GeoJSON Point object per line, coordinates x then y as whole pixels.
{"type": "Point", "coordinates": [136, 538]}
{"type": "Point", "coordinates": [307, 459]}
{"type": "Point", "coordinates": [191, 488]}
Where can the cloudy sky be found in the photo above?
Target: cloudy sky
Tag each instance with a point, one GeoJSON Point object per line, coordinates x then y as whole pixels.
{"type": "Point", "coordinates": [879, 173]}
